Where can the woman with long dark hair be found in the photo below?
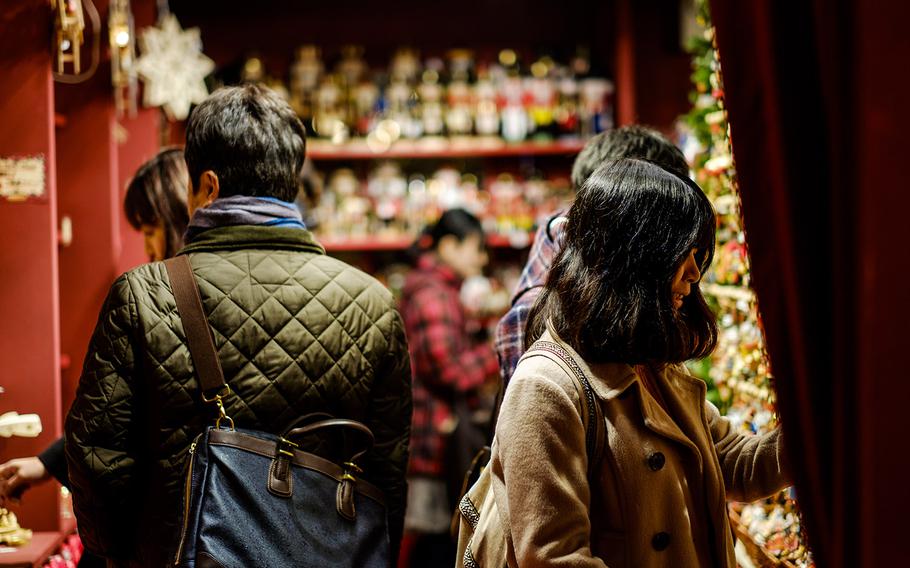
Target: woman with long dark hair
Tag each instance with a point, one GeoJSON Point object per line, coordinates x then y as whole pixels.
{"type": "Point", "coordinates": [623, 305]}
{"type": "Point", "coordinates": [449, 369]}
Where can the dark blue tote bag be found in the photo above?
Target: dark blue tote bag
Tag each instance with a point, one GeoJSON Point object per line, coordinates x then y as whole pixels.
{"type": "Point", "coordinates": [254, 499]}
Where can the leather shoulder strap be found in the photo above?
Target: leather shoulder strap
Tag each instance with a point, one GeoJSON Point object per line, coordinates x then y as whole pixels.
{"type": "Point", "coordinates": [592, 415]}
{"type": "Point", "coordinates": [198, 334]}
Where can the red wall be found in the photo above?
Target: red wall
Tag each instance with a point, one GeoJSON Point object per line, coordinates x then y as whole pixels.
{"type": "Point", "coordinates": [29, 328]}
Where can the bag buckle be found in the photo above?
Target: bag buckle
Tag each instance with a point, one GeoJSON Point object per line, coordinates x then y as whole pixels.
{"type": "Point", "coordinates": [218, 400]}
{"type": "Point", "coordinates": [351, 467]}
{"type": "Point", "coordinates": [287, 447]}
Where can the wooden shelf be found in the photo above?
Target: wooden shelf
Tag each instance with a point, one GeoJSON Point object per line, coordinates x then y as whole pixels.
{"type": "Point", "coordinates": [428, 148]}
{"type": "Point", "coordinates": [377, 244]}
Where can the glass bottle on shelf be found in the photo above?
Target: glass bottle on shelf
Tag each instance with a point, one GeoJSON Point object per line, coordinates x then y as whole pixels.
{"type": "Point", "coordinates": [405, 66]}
{"type": "Point", "coordinates": [366, 99]}
{"type": "Point", "coordinates": [486, 114]}
{"type": "Point", "coordinates": [399, 101]}
{"type": "Point", "coordinates": [595, 96]}
{"type": "Point", "coordinates": [351, 70]}
{"type": "Point", "coordinates": [541, 91]}
{"type": "Point", "coordinates": [328, 117]}
{"type": "Point", "coordinates": [512, 95]}
{"type": "Point", "coordinates": [387, 188]}
{"type": "Point", "coordinates": [566, 115]}
{"type": "Point", "coordinates": [404, 105]}
{"type": "Point", "coordinates": [306, 71]}
{"type": "Point", "coordinates": [458, 114]}
{"type": "Point", "coordinates": [431, 94]}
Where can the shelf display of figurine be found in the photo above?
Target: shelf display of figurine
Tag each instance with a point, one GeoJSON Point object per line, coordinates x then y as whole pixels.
{"type": "Point", "coordinates": [454, 96]}
{"type": "Point", "coordinates": [738, 373]}
{"type": "Point", "coordinates": [394, 205]}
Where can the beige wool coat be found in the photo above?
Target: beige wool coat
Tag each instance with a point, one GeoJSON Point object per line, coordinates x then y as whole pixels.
{"type": "Point", "coordinates": [659, 493]}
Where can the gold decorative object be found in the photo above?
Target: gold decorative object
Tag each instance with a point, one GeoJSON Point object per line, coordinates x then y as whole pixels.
{"type": "Point", "coordinates": [11, 534]}
{"type": "Point", "coordinates": [69, 23]}
{"type": "Point", "coordinates": [122, 37]}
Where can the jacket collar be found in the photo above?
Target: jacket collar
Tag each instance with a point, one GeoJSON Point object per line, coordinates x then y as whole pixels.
{"type": "Point", "coordinates": [684, 395]}
{"type": "Point", "coordinates": [253, 237]}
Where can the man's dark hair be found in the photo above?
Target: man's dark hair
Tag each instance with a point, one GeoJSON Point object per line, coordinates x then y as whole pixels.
{"type": "Point", "coordinates": [609, 289]}
{"type": "Point", "coordinates": [157, 194]}
{"type": "Point", "coordinates": [250, 138]}
{"type": "Point", "coordinates": [628, 142]}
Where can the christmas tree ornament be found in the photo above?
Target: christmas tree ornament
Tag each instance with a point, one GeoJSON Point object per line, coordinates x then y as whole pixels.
{"type": "Point", "coordinates": [173, 67]}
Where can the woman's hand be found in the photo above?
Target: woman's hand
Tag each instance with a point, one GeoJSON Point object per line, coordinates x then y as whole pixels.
{"type": "Point", "coordinates": [18, 475]}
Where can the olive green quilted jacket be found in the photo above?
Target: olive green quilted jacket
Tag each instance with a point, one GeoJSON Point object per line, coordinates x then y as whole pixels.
{"type": "Point", "coordinates": [297, 332]}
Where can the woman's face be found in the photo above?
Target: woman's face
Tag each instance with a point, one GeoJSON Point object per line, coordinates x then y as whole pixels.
{"type": "Point", "coordinates": [155, 241]}
{"type": "Point", "coordinates": [686, 274]}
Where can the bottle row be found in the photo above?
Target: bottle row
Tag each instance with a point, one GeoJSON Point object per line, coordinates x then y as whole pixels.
{"type": "Point", "coordinates": [391, 204]}
{"type": "Point", "coordinates": [458, 95]}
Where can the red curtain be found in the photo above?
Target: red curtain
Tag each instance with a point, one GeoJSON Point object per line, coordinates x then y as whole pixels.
{"type": "Point", "coordinates": [817, 95]}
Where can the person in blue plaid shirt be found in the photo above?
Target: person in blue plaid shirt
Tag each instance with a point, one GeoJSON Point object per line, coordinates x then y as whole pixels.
{"type": "Point", "coordinates": [627, 142]}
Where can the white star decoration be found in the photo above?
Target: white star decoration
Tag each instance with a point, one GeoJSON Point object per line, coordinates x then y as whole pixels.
{"type": "Point", "coordinates": [173, 67]}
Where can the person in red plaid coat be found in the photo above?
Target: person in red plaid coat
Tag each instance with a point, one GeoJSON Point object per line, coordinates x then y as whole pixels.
{"type": "Point", "coordinates": [448, 363]}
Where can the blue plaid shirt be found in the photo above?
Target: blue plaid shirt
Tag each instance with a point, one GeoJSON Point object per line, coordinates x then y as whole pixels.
{"type": "Point", "coordinates": [510, 332]}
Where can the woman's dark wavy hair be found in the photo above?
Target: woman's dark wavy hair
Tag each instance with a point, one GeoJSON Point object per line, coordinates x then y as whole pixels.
{"type": "Point", "coordinates": [158, 193]}
{"type": "Point", "coordinates": [608, 292]}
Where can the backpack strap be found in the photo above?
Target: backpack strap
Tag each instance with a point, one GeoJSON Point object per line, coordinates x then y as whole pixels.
{"type": "Point", "coordinates": [196, 326]}
{"type": "Point", "coordinates": [591, 413]}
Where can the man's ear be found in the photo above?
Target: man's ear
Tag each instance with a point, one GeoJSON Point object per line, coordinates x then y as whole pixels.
{"type": "Point", "coordinates": [209, 188]}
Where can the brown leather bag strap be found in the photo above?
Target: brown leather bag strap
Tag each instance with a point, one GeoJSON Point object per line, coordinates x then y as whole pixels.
{"type": "Point", "coordinates": [195, 325]}
{"type": "Point", "coordinates": [592, 415]}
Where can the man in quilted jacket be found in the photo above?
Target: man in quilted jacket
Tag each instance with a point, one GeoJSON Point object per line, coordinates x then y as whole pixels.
{"type": "Point", "coordinates": [297, 332]}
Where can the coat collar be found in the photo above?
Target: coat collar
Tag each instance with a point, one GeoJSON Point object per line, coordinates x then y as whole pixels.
{"type": "Point", "coordinates": [253, 237]}
{"type": "Point", "coordinates": [683, 393]}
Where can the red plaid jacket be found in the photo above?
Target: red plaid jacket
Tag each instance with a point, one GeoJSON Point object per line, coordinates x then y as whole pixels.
{"type": "Point", "coordinates": [444, 360]}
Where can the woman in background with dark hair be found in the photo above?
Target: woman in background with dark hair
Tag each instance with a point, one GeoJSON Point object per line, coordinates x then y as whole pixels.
{"type": "Point", "coordinates": [155, 203]}
{"type": "Point", "coordinates": [449, 369]}
{"type": "Point", "coordinates": [623, 304]}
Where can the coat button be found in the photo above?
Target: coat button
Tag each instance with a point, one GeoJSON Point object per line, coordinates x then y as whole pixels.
{"type": "Point", "coordinates": [660, 541]}
{"type": "Point", "coordinates": [656, 461]}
